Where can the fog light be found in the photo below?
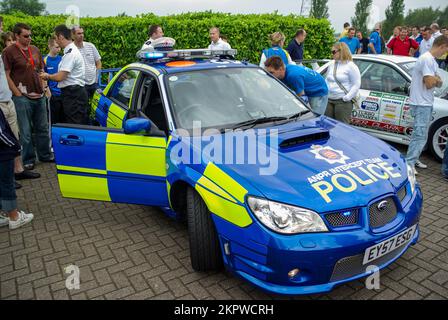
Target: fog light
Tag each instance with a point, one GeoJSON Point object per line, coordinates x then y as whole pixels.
{"type": "Point", "coordinates": [293, 273]}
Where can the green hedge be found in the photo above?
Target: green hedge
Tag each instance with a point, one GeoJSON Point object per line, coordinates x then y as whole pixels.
{"type": "Point", "coordinates": [119, 38]}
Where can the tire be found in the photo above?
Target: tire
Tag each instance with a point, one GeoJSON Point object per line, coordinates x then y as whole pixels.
{"type": "Point", "coordinates": [438, 134]}
{"type": "Point", "coordinates": [205, 251]}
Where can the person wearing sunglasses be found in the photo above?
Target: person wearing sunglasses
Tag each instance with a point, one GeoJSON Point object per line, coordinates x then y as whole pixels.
{"type": "Point", "coordinates": [344, 82]}
{"type": "Point", "coordinates": [22, 62]}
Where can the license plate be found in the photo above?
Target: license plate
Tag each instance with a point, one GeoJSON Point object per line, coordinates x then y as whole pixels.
{"type": "Point", "coordinates": [377, 251]}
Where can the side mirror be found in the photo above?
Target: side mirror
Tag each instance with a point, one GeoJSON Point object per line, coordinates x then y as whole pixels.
{"type": "Point", "coordinates": [137, 124]}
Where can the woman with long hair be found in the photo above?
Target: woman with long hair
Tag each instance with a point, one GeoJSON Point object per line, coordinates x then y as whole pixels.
{"type": "Point", "coordinates": [344, 82]}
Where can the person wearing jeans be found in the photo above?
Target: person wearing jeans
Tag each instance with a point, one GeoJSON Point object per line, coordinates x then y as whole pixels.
{"type": "Point", "coordinates": [424, 79]}
{"type": "Point", "coordinates": [23, 62]}
{"type": "Point", "coordinates": [445, 163]}
{"type": "Point", "coordinates": [33, 118]}
{"type": "Point", "coordinates": [9, 149]}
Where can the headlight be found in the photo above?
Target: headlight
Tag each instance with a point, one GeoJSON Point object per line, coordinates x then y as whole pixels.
{"type": "Point", "coordinates": [286, 219]}
{"type": "Point", "coordinates": [411, 177]}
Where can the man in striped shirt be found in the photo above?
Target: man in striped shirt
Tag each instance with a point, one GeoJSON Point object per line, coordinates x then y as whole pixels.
{"type": "Point", "coordinates": [92, 60]}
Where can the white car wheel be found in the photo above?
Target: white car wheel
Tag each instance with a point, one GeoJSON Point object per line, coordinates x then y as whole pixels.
{"type": "Point", "coordinates": [439, 138]}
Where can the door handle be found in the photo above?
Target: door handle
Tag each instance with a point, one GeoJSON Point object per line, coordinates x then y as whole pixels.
{"type": "Point", "coordinates": [71, 140]}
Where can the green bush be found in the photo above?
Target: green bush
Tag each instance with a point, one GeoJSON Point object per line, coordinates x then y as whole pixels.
{"type": "Point", "coordinates": [119, 38]}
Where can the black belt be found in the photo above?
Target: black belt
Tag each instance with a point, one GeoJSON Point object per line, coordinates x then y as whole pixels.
{"type": "Point", "coordinates": [76, 86]}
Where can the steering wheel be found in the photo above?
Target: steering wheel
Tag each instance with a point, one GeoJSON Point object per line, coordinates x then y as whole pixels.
{"type": "Point", "coordinates": [187, 109]}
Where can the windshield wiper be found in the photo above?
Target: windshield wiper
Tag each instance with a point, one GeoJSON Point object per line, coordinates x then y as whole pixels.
{"type": "Point", "coordinates": [254, 122]}
{"type": "Point", "coordinates": [299, 114]}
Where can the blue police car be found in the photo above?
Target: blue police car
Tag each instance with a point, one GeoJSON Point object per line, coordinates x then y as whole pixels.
{"type": "Point", "coordinates": [293, 202]}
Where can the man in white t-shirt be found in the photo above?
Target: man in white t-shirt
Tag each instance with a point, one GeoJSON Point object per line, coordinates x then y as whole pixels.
{"type": "Point", "coordinates": [70, 78]}
{"type": "Point", "coordinates": [92, 60]}
{"type": "Point", "coordinates": [425, 78]}
{"type": "Point", "coordinates": [216, 42]}
{"type": "Point", "coordinates": [427, 41]}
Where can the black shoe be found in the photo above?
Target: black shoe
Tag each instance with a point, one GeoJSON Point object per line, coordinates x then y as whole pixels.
{"type": "Point", "coordinates": [17, 185]}
{"type": "Point", "coordinates": [29, 166]}
{"type": "Point", "coordinates": [27, 175]}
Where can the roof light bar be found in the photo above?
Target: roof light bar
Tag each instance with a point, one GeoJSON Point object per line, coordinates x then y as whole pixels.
{"type": "Point", "coordinates": [184, 54]}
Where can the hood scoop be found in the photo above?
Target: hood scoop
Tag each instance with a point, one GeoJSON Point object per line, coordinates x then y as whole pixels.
{"type": "Point", "coordinates": [305, 139]}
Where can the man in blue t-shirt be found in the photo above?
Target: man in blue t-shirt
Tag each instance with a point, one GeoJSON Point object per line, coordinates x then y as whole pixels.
{"type": "Point", "coordinates": [302, 80]}
{"type": "Point", "coordinates": [352, 42]}
{"type": "Point", "coordinates": [52, 61]}
{"type": "Point", "coordinates": [375, 41]}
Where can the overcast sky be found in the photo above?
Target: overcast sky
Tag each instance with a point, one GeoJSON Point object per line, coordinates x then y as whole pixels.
{"type": "Point", "coordinates": [340, 10]}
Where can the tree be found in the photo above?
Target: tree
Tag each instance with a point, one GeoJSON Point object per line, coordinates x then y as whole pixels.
{"type": "Point", "coordinates": [394, 17]}
{"type": "Point", "coordinates": [422, 17]}
{"type": "Point", "coordinates": [319, 9]}
{"type": "Point", "coordinates": [30, 7]}
{"type": "Point", "coordinates": [443, 20]}
{"type": "Point", "coordinates": [362, 11]}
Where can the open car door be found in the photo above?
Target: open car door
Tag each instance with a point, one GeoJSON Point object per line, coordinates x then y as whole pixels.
{"type": "Point", "coordinates": [106, 164]}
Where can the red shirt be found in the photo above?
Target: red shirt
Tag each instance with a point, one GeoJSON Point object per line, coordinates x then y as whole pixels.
{"type": "Point", "coordinates": [402, 47]}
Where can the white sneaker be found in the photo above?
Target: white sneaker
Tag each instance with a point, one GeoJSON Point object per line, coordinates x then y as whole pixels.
{"type": "Point", "coordinates": [420, 165]}
{"type": "Point", "coordinates": [415, 171]}
{"type": "Point", "coordinates": [23, 219]}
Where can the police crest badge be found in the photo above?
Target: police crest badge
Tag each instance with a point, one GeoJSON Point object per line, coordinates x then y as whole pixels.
{"type": "Point", "coordinates": [329, 154]}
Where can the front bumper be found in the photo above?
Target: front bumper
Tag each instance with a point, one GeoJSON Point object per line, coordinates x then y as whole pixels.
{"type": "Point", "coordinates": [325, 260]}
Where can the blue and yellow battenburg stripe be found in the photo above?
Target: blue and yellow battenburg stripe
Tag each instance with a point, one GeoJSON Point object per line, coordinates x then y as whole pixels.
{"type": "Point", "coordinates": [223, 195]}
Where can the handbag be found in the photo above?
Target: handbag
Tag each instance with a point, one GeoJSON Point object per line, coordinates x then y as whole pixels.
{"type": "Point", "coordinates": [355, 100]}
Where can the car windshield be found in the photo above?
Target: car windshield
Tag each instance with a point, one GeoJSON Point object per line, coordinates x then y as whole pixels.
{"type": "Point", "coordinates": [223, 98]}
{"type": "Point", "coordinates": [439, 92]}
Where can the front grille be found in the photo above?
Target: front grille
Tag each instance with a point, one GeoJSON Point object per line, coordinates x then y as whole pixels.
{"type": "Point", "coordinates": [349, 267]}
{"type": "Point", "coordinates": [342, 219]}
{"type": "Point", "coordinates": [401, 194]}
{"type": "Point", "coordinates": [382, 212]}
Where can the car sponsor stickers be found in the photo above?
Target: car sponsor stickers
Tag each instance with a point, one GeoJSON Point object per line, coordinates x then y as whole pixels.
{"type": "Point", "coordinates": [384, 112]}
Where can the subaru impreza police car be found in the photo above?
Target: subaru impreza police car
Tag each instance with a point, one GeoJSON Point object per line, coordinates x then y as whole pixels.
{"type": "Point", "coordinates": [293, 202]}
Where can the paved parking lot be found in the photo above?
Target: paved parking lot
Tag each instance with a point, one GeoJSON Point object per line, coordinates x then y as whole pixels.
{"type": "Point", "coordinates": [136, 252]}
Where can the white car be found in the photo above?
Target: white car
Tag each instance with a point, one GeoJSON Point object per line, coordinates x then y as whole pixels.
{"type": "Point", "coordinates": [384, 109]}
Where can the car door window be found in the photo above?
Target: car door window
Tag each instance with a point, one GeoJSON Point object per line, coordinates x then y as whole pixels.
{"type": "Point", "coordinates": [122, 88]}
{"type": "Point", "coordinates": [150, 102]}
{"type": "Point", "coordinates": [381, 77]}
